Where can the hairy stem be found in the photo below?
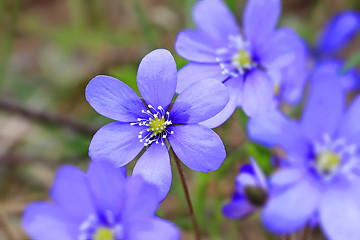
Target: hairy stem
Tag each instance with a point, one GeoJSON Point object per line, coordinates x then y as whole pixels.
{"type": "Point", "coordinates": [187, 195]}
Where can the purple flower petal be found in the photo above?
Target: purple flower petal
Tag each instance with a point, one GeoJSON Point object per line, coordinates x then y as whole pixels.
{"type": "Point", "coordinates": [293, 82]}
{"type": "Point", "coordinates": [196, 46]}
{"type": "Point", "coordinates": [324, 108]}
{"type": "Point", "coordinates": [338, 31]}
{"type": "Point", "coordinates": [113, 99]}
{"type": "Point", "coordinates": [155, 228]}
{"type": "Point", "coordinates": [199, 102]}
{"type": "Point", "coordinates": [44, 221]}
{"type": "Point", "coordinates": [340, 214]}
{"type": "Point", "coordinates": [260, 18]}
{"type": "Point", "coordinates": [198, 147]}
{"type": "Point", "coordinates": [257, 94]}
{"type": "Point", "coordinates": [234, 86]}
{"type": "Point", "coordinates": [72, 194]}
{"type": "Point", "coordinates": [247, 168]}
{"type": "Point", "coordinates": [142, 200]}
{"type": "Point", "coordinates": [107, 196]}
{"type": "Point", "coordinates": [289, 210]}
{"type": "Point", "coordinates": [215, 19]}
{"type": "Point", "coordinates": [246, 179]}
{"type": "Point", "coordinates": [286, 176]}
{"type": "Point", "coordinates": [154, 167]}
{"type": "Point", "coordinates": [274, 129]}
{"type": "Point", "coordinates": [156, 78]}
{"type": "Point", "coordinates": [283, 47]}
{"type": "Point", "coordinates": [193, 72]}
{"type": "Point", "coordinates": [349, 80]}
{"type": "Point", "coordinates": [286, 56]}
{"type": "Point", "coordinates": [116, 142]}
{"type": "Point", "coordinates": [238, 208]}
{"type": "Point", "coordinates": [349, 126]}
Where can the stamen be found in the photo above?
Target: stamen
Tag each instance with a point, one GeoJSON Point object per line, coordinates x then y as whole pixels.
{"type": "Point", "coordinates": [327, 162]}
{"type": "Point", "coordinates": [235, 58]}
{"type": "Point", "coordinates": [157, 123]}
{"type": "Point", "coordinates": [241, 60]}
{"type": "Point", "coordinates": [103, 233]}
{"type": "Point", "coordinates": [335, 156]}
{"type": "Point", "coordinates": [107, 228]}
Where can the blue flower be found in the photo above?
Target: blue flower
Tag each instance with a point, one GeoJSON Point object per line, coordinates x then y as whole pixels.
{"type": "Point", "coordinates": [336, 34]}
{"type": "Point", "coordinates": [101, 204]}
{"type": "Point", "coordinates": [250, 192]}
{"type": "Point", "coordinates": [349, 80]}
{"type": "Point", "coordinates": [260, 65]}
{"type": "Point", "coordinates": [149, 125]}
{"type": "Point", "coordinates": [320, 178]}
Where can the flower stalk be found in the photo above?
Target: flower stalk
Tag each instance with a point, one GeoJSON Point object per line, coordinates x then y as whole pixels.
{"type": "Point", "coordinates": [187, 196]}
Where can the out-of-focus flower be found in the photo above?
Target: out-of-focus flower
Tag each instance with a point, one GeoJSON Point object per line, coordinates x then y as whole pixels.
{"type": "Point", "coordinates": [321, 175]}
{"type": "Point", "coordinates": [260, 65]}
{"type": "Point", "coordinates": [101, 204]}
{"type": "Point", "coordinates": [349, 80]}
{"type": "Point", "coordinates": [250, 192]}
{"type": "Point", "coordinates": [337, 33]}
{"type": "Point", "coordinates": [148, 125]}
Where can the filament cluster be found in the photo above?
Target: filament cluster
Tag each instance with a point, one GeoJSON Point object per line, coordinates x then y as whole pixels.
{"type": "Point", "coordinates": [335, 156]}
{"type": "Point", "coordinates": [104, 228]}
{"type": "Point", "coordinates": [156, 123]}
{"type": "Point", "coordinates": [235, 58]}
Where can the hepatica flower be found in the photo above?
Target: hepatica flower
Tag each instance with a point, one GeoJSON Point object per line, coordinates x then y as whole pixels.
{"type": "Point", "coordinates": [349, 79]}
{"type": "Point", "coordinates": [259, 64]}
{"type": "Point", "coordinates": [335, 36]}
{"type": "Point", "coordinates": [338, 32]}
{"type": "Point", "coordinates": [320, 179]}
{"type": "Point", "coordinates": [150, 122]}
{"type": "Point", "coordinates": [101, 204]}
{"type": "Point", "coordinates": [250, 192]}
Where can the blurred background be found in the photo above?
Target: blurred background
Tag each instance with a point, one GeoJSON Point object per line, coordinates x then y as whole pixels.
{"type": "Point", "coordinates": [51, 49]}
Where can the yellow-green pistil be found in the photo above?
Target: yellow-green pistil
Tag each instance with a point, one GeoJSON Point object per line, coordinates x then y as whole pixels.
{"type": "Point", "coordinates": [327, 161]}
{"type": "Point", "coordinates": [241, 59]}
{"type": "Point", "coordinates": [103, 233]}
{"type": "Point", "coordinates": [277, 89]}
{"type": "Point", "coordinates": [157, 125]}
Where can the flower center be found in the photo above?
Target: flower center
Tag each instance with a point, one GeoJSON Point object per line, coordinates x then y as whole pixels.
{"type": "Point", "coordinates": [277, 89]}
{"type": "Point", "coordinates": [156, 124]}
{"type": "Point", "coordinates": [101, 228]}
{"type": "Point", "coordinates": [103, 233]}
{"type": "Point", "coordinates": [327, 162]}
{"type": "Point", "coordinates": [235, 58]}
{"type": "Point", "coordinates": [335, 157]}
{"type": "Point", "coordinates": [241, 60]}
